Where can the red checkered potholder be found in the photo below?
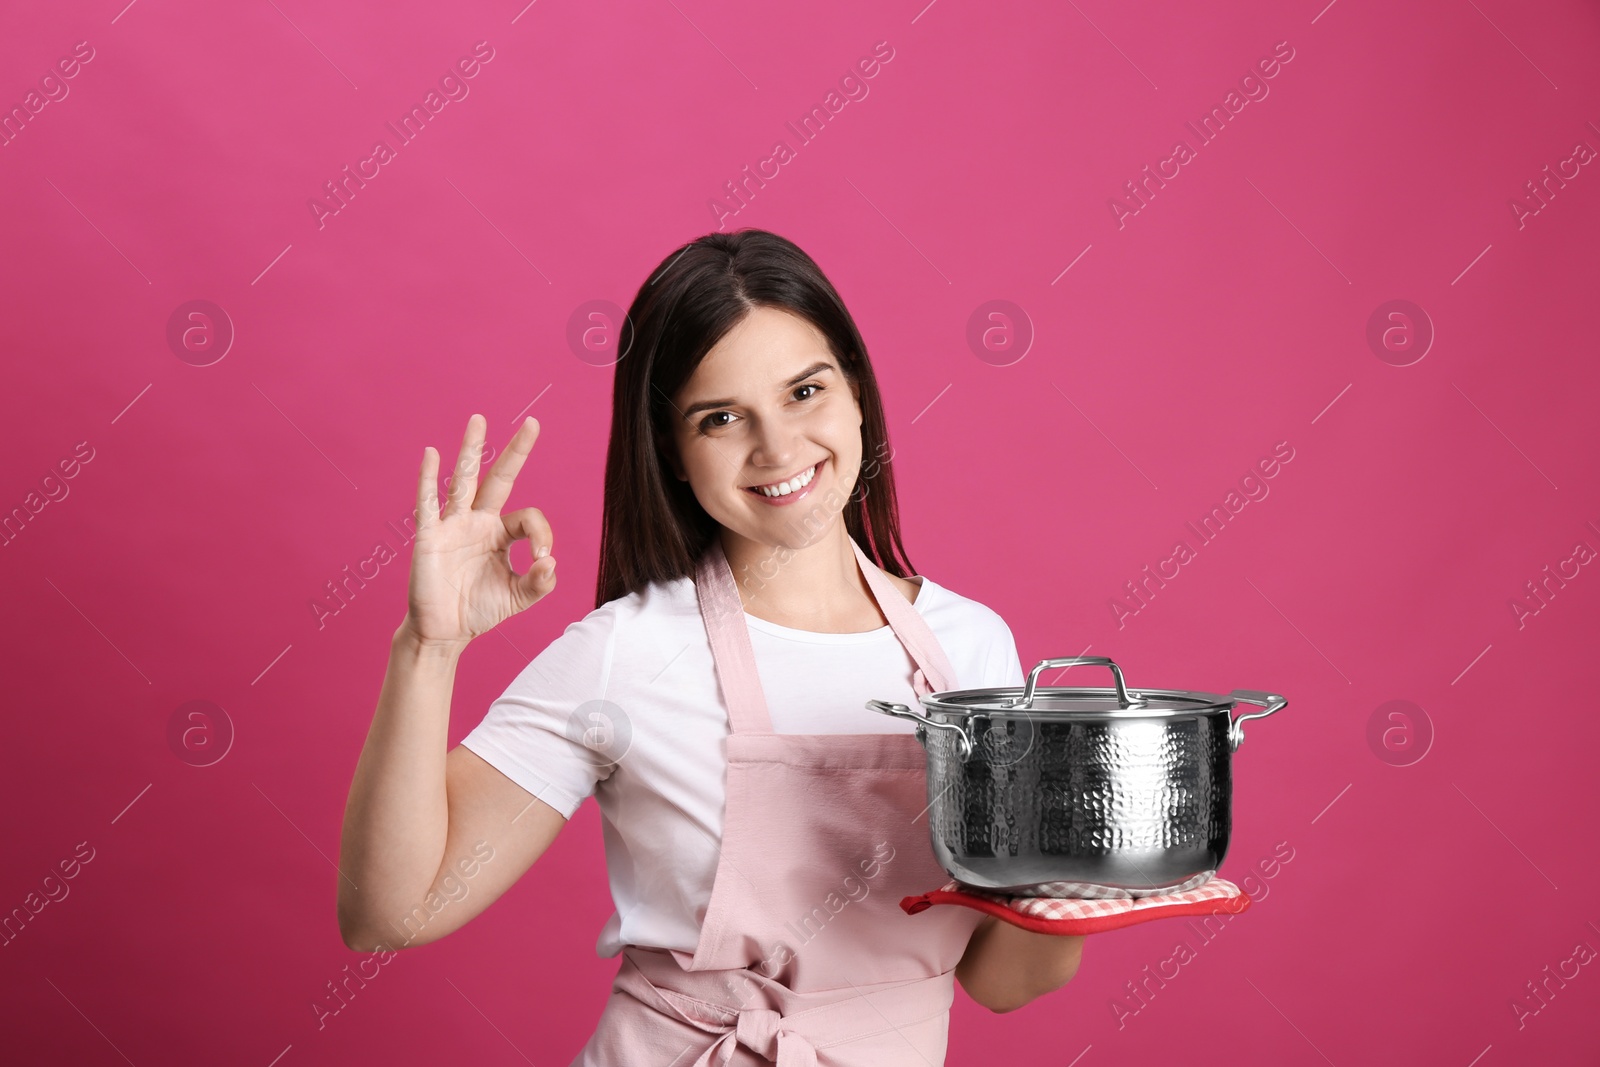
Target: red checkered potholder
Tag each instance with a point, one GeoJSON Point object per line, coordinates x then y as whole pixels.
{"type": "Point", "coordinates": [1072, 915]}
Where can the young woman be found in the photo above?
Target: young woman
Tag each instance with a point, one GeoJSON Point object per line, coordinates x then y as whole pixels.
{"type": "Point", "coordinates": [761, 825]}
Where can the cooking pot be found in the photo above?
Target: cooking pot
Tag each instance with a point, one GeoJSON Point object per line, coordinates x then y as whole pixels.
{"type": "Point", "coordinates": [1071, 791]}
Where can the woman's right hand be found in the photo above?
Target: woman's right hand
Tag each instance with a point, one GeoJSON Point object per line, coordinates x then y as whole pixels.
{"type": "Point", "coordinates": [462, 584]}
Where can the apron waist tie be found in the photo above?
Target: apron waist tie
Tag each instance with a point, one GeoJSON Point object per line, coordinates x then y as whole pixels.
{"type": "Point", "coordinates": [708, 1001]}
{"type": "Point", "coordinates": [764, 1031]}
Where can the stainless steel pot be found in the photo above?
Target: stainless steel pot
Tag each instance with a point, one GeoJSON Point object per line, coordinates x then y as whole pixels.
{"type": "Point", "coordinates": [1070, 791]}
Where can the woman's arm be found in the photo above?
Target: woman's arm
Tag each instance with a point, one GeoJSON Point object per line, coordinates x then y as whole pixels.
{"type": "Point", "coordinates": [430, 837]}
{"type": "Point", "coordinates": [1006, 966]}
{"type": "Point", "coordinates": [419, 817]}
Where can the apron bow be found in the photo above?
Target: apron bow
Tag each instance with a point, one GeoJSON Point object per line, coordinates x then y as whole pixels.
{"type": "Point", "coordinates": [766, 1033]}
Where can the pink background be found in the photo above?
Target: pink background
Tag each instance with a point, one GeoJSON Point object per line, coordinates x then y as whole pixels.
{"type": "Point", "coordinates": [1229, 314]}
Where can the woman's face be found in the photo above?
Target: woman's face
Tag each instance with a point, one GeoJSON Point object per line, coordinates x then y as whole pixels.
{"type": "Point", "coordinates": [769, 407]}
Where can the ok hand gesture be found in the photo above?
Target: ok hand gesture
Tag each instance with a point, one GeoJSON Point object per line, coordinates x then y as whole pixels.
{"type": "Point", "coordinates": [462, 584]}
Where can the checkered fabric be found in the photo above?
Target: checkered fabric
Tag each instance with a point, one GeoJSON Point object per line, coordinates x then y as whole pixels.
{"type": "Point", "coordinates": [1069, 915]}
{"type": "Point", "coordinates": [1093, 891]}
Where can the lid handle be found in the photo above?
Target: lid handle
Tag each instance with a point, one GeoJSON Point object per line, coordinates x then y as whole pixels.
{"type": "Point", "coordinates": [1043, 665]}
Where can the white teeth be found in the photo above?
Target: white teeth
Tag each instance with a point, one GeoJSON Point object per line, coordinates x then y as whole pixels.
{"type": "Point", "coordinates": [798, 482]}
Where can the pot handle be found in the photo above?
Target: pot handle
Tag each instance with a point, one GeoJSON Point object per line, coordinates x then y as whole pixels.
{"type": "Point", "coordinates": [1269, 702]}
{"type": "Point", "coordinates": [1135, 701]}
{"type": "Point", "coordinates": [900, 711]}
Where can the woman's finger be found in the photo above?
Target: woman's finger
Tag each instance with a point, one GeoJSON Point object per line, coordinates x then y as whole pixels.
{"type": "Point", "coordinates": [427, 511]}
{"type": "Point", "coordinates": [464, 480]}
{"type": "Point", "coordinates": [530, 523]}
{"type": "Point", "coordinates": [540, 577]}
{"type": "Point", "coordinates": [503, 473]}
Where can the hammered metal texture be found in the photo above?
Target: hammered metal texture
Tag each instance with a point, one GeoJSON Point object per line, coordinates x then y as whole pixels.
{"type": "Point", "coordinates": [1131, 806]}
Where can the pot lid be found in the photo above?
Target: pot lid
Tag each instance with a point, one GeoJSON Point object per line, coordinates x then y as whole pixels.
{"type": "Point", "coordinates": [1067, 701]}
{"type": "Point", "coordinates": [1070, 701]}
{"type": "Point", "coordinates": [1081, 703]}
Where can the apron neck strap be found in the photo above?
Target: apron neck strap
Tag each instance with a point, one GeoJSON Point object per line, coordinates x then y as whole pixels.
{"type": "Point", "coordinates": [723, 614]}
{"type": "Point", "coordinates": [934, 673]}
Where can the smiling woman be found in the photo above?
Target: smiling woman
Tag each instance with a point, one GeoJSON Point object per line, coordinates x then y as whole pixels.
{"type": "Point", "coordinates": [794, 441]}
{"type": "Point", "coordinates": [744, 369]}
{"type": "Point", "coordinates": [753, 594]}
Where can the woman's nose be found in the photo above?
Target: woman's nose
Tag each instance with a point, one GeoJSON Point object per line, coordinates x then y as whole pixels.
{"type": "Point", "coordinates": [774, 443]}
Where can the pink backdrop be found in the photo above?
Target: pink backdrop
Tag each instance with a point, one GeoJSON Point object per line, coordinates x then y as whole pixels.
{"type": "Point", "coordinates": [183, 491]}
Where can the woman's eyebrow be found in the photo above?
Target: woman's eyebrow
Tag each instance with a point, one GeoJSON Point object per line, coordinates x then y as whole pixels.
{"type": "Point", "coordinates": [815, 368]}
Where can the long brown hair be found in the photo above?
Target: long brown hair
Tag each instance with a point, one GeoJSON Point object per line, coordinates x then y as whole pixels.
{"type": "Point", "coordinates": [652, 528]}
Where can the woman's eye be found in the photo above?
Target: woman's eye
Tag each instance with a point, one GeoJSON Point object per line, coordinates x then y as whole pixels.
{"type": "Point", "coordinates": [707, 423]}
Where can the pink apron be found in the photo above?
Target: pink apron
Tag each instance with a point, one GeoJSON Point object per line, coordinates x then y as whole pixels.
{"type": "Point", "coordinates": [804, 957]}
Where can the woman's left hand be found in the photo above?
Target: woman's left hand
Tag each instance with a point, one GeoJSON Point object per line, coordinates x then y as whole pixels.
{"type": "Point", "coordinates": [1006, 966]}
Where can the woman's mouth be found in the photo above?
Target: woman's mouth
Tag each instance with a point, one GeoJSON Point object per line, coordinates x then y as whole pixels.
{"type": "Point", "coordinates": [791, 489]}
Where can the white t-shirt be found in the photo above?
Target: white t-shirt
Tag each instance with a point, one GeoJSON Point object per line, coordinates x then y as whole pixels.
{"type": "Point", "coordinates": [624, 705]}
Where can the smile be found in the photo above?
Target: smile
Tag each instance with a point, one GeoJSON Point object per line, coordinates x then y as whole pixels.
{"type": "Point", "coordinates": [791, 488]}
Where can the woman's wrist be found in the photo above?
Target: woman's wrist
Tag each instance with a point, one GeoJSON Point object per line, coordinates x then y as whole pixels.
{"type": "Point", "coordinates": [413, 647]}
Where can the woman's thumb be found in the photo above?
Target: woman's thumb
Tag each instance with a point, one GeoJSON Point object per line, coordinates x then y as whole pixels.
{"type": "Point", "coordinates": [528, 524]}
{"type": "Point", "coordinates": [539, 578]}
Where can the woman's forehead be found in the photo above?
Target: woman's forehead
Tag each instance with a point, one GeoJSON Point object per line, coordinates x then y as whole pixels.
{"type": "Point", "coordinates": [765, 351]}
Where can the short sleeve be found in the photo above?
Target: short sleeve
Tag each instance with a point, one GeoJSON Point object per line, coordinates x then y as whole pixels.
{"type": "Point", "coordinates": [541, 731]}
{"type": "Point", "coordinates": [1004, 666]}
